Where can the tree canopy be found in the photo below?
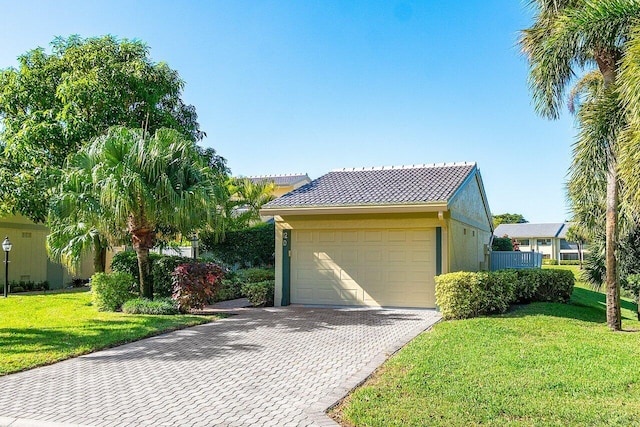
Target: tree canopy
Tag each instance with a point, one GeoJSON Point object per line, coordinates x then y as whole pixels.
{"type": "Point", "coordinates": [130, 181]}
{"type": "Point", "coordinates": [54, 102]}
{"type": "Point", "coordinates": [508, 218]}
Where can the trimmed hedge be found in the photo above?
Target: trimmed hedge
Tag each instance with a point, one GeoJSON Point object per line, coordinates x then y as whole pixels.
{"type": "Point", "coordinates": [259, 293]}
{"type": "Point", "coordinates": [252, 247]}
{"type": "Point", "coordinates": [164, 306]}
{"type": "Point", "coordinates": [111, 290]}
{"type": "Point", "coordinates": [463, 295]}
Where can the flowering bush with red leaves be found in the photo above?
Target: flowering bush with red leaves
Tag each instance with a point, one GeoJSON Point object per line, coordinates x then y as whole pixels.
{"type": "Point", "coordinates": [195, 284]}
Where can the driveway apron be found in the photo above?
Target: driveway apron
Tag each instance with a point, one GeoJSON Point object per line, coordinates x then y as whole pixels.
{"type": "Point", "coordinates": [277, 366]}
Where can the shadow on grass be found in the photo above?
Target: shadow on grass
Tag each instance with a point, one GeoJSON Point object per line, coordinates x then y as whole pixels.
{"type": "Point", "coordinates": [64, 342]}
{"type": "Point", "coordinates": [585, 305]}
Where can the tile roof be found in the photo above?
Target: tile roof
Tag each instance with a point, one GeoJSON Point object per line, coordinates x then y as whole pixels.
{"type": "Point", "coordinates": [532, 230]}
{"type": "Point", "coordinates": [280, 180]}
{"type": "Point", "coordinates": [392, 185]}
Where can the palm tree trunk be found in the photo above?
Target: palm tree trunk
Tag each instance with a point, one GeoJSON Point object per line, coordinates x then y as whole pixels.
{"type": "Point", "coordinates": [144, 268]}
{"type": "Point", "coordinates": [607, 63]}
{"type": "Point", "coordinates": [580, 254]}
{"type": "Point", "coordinates": [99, 255]}
{"type": "Point", "coordinates": [614, 320]}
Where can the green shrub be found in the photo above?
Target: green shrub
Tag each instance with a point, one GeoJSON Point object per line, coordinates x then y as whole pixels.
{"type": "Point", "coordinates": [457, 294]}
{"type": "Point", "coordinates": [28, 286]}
{"type": "Point", "coordinates": [230, 288]}
{"type": "Point", "coordinates": [164, 306]}
{"type": "Point", "coordinates": [127, 262]}
{"type": "Point", "coordinates": [251, 247]}
{"type": "Point", "coordinates": [502, 244]}
{"type": "Point", "coordinates": [498, 291]}
{"type": "Point", "coordinates": [161, 271]}
{"type": "Point", "coordinates": [255, 275]}
{"type": "Point", "coordinates": [555, 286]}
{"type": "Point", "coordinates": [462, 295]}
{"type": "Point", "coordinates": [111, 290]}
{"type": "Point", "coordinates": [259, 293]}
{"type": "Point", "coordinates": [569, 262]}
{"type": "Point", "coordinates": [549, 261]}
{"type": "Point", "coordinates": [161, 268]}
{"type": "Point", "coordinates": [195, 284]}
{"type": "Point", "coordinates": [527, 285]}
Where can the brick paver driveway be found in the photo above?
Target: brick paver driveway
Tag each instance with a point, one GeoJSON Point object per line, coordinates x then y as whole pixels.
{"type": "Point", "coordinates": [263, 367]}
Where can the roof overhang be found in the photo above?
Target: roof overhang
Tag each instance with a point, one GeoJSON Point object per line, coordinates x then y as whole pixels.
{"type": "Point", "coordinates": [361, 209]}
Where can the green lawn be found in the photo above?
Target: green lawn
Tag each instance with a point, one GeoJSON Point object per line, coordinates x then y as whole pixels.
{"type": "Point", "coordinates": [541, 364]}
{"type": "Point", "coordinates": [41, 329]}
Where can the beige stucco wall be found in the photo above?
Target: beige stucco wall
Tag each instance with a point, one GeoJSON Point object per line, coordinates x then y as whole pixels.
{"type": "Point", "coordinates": [282, 190]}
{"type": "Point", "coordinates": [467, 247]}
{"type": "Point", "coordinates": [28, 259]}
{"type": "Point", "coordinates": [469, 228]}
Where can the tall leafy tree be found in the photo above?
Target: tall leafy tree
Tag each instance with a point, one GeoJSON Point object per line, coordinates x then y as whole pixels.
{"type": "Point", "coordinates": [54, 102]}
{"type": "Point", "coordinates": [141, 185]}
{"type": "Point", "coordinates": [508, 218]}
{"type": "Point", "coordinates": [568, 38]}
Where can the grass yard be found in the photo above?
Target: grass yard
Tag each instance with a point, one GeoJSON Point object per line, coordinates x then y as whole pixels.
{"type": "Point", "coordinates": [41, 329]}
{"type": "Point", "coordinates": [540, 364]}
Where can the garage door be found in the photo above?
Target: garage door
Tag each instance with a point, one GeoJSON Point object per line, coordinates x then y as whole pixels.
{"type": "Point", "coordinates": [369, 267]}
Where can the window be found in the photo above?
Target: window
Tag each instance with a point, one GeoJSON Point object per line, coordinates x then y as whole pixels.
{"type": "Point", "coordinates": [544, 242]}
{"type": "Point", "coordinates": [26, 234]}
{"type": "Point", "coordinates": [523, 242]}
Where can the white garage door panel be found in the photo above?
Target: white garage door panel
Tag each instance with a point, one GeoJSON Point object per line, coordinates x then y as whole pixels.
{"type": "Point", "coordinates": [363, 267]}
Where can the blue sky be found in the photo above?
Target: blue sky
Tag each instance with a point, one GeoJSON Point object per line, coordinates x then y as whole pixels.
{"type": "Point", "coordinates": [311, 86]}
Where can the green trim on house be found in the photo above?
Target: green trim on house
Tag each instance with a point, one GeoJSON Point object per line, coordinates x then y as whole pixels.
{"type": "Point", "coordinates": [286, 268]}
{"type": "Point", "coordinates": [438, 251]}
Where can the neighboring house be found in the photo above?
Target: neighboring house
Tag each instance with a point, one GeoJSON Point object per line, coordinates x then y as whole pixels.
{"type": "Point", "coordinates": [28, 259]}
{"type": "Point", "coordinates": [377, 237]}
{"type": "Point", "coordinates": [284, 183]}
{"type": "Point", "coordinates": [548, 239]}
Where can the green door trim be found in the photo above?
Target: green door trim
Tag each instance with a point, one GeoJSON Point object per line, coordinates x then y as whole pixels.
{"type": "Point", "coordinates": [286, 268]}
{"type": "Point", "coordinates": [438, 251]}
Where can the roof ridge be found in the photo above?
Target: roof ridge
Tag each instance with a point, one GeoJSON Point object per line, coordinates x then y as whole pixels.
{"type": "Point", "coordinates": [286, 175]}
{"type": "Point", "coordinates": [415, 166]}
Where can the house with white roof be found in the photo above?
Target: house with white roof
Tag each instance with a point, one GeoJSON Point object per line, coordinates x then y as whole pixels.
{"type": "Point", "coordinates": [548, 239]}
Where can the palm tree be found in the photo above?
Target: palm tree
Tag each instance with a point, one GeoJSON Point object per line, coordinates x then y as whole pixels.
{"type": "Point", "coordinates": [254, 194]}
{"type": "Point", "coordinates": [73, 218]}
{"type": "Point", "coordinates": [237, 204]}
{"type": "Point", "coordinates": [568, 37]}
{"type": "Point", "coordinates": [576, 234]}
{"type": "Point", "coordinates": [142, 184]}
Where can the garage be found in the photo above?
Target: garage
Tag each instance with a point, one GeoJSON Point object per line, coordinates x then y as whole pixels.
{"type": "Point", "coordinates": [370, 267]}
{"type": "Point", "coordinates": [377, 237]}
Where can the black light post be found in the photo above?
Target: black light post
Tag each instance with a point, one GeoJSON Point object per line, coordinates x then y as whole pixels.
{"type": "Point", "coordinates": [6, 247]}
{"type": "Point", "coordinates": [194, 246]}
